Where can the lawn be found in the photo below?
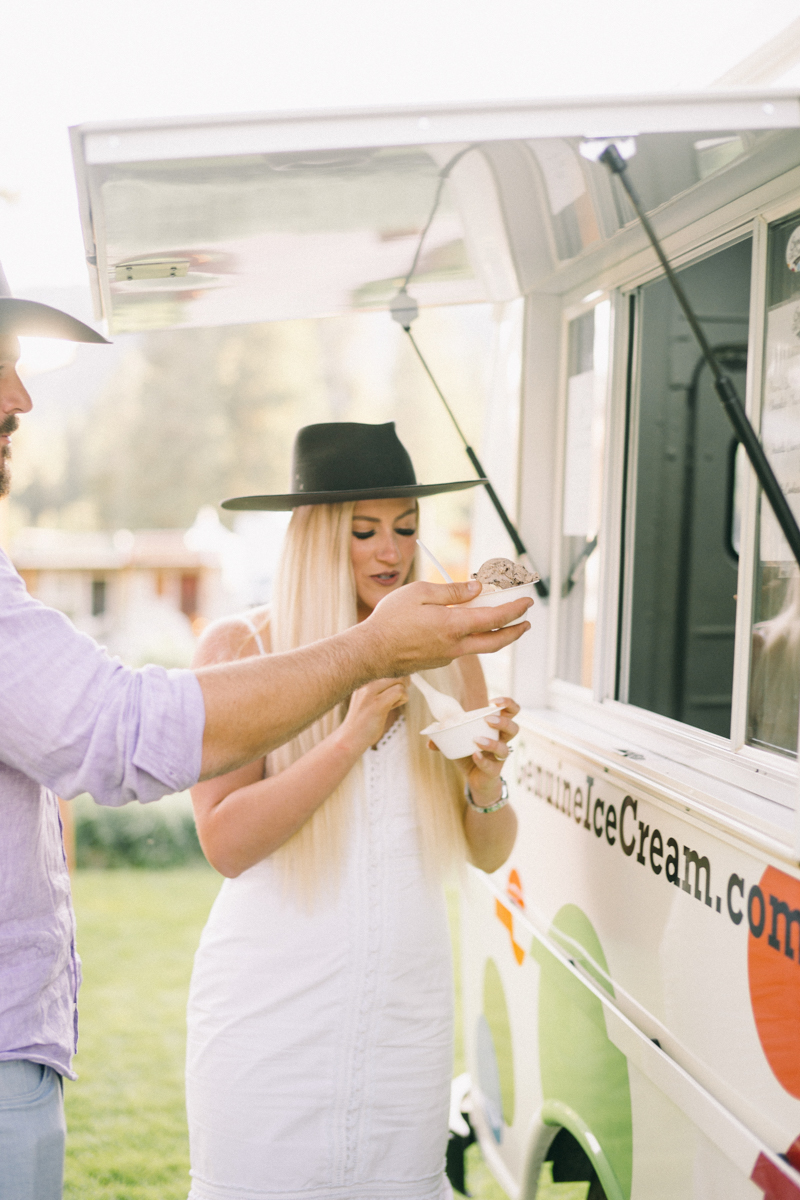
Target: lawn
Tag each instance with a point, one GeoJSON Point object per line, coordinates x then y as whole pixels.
{"type": "Point", "coordinates": [137, 931]}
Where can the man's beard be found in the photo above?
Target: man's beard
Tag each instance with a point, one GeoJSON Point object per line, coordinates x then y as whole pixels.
{"type": "Point", "coordinates": [6, 428]}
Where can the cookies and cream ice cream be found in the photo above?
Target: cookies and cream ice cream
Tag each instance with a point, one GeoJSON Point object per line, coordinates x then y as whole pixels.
{"type": "Point", "coordinates": [497, 574]}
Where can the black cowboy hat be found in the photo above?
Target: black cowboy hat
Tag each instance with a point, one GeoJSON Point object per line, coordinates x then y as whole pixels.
{"type": "Point", "coordinates": [342, 460]}
{"type": "Point", "coordinates": [28, 318]}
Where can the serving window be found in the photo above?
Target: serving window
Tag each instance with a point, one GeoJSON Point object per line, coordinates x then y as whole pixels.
{"type": "Point", "coordinates": [681, 573]}
{"type": "Point", "coordinates": [687, 513]}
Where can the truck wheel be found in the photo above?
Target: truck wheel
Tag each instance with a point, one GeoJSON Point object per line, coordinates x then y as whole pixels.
{"type": "Point", "coordinates": [571, 1164]}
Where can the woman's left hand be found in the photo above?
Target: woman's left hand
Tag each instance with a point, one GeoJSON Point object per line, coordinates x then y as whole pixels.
{"type": "Point", "coordinates": [483, 769]}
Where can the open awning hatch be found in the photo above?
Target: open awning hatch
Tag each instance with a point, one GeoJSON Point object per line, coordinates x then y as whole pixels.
{"type": "Point", "coordinates": [237, 219]}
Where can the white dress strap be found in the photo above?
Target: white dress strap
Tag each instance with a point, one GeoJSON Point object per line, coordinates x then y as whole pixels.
{"type": "Point", "coordinates": [243, 617]}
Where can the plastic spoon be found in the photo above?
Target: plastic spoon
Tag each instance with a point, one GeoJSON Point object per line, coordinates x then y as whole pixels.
{"type": "Point", "coordinates": [435, 562]}
{"type": "Point", "coordinates": [443, 707]}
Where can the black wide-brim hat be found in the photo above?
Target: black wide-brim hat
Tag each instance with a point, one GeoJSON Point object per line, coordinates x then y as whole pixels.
{"type": "Point", "coordinates": [339, 461]}
{"type": "Point", "coordinates": [29, 318]}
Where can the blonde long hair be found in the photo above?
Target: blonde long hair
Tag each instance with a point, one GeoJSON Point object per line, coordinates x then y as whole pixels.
{"type": "Point", "coordinates": [315, 597]}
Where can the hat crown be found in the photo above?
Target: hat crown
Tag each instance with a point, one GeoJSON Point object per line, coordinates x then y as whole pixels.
{"type": "Point", "coordinates": [344, 456]}
{"type": "Point", "coordinates": [337, 462]}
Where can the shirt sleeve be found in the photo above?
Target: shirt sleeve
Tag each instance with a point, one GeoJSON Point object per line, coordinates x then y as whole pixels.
{"type": "Point", "coordinates": [76, 720]}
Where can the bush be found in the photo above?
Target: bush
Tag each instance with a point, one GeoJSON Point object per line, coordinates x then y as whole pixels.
{"type": "Point", "coordinates": [152, 836]}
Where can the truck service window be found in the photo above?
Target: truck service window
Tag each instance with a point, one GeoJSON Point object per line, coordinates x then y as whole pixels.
{"type": "Point", "coordinates": [584, 440]}
{"type": "Point", "coordinates": [774, 698]}
{"type": "Point", "coordinates": [682, 564]}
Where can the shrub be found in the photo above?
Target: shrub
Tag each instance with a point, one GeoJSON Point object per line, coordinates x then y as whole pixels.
{"type": "Point", "coordinates": [151, 836]}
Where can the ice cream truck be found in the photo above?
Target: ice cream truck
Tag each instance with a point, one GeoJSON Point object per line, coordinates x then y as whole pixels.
{"type": "Point", "coordinates": [631, 977]}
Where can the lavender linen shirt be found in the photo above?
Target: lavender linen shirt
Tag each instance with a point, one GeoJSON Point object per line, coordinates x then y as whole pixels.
{"type": "Point", "coordinates": [72, 720]}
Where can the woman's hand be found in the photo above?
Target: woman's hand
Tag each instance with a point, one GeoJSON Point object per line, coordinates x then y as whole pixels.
{"type": "Point", "coordinates": [369, 707]}
{"type": "Point", "coordinates": [482, 771]}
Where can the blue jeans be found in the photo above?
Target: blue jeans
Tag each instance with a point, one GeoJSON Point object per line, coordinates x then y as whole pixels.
{"type": "Point", "coordinates": [32, 1132]}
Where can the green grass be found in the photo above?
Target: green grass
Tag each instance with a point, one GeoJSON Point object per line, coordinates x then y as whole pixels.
{"type": "Point", "coordinates": [156, 836]}
{"type": "Point", "coordinates": [137, 932]}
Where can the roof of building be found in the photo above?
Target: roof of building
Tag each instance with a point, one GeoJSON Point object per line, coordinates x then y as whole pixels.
{"type": "Point", "coordinates": [35, 549]}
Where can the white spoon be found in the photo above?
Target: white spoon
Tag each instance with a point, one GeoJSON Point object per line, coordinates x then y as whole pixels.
{"type": "Point", "coordinates": [435, 562]}
{"type": "Point", "coordinates": [443, 707]}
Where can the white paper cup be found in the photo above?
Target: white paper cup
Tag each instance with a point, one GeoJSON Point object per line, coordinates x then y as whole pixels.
{"type": "Point", "coordinates": [458, 741]}
{"type": "Point", "coordinates": [504, 596]}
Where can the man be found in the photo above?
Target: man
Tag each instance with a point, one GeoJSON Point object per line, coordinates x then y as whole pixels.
{"type": "Point", "coordinates": [73, 720]}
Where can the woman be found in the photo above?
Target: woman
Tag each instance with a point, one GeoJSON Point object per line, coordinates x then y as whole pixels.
{"type": "Point", "coordinates": [320, 1013]}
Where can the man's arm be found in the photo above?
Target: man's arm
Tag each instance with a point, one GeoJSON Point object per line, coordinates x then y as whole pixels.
{"type": "Point", "coordinates": [76, 720]}
{"type": "Point", "coordinates": [254, 705]}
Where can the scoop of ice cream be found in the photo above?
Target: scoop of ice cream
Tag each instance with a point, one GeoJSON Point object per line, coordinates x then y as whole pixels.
{"type": "Point", "coordinates": [523, 575]}
{"type": "Point", "coordinates": [496, 573]}
{"type": "Point", "coordinates": [499, 573]}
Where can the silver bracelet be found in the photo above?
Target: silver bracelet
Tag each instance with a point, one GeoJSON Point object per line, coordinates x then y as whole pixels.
{"type": "Point", "coordinates": [490, 808]}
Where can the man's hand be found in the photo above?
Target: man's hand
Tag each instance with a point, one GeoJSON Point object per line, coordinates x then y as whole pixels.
{"type": "Point", "coordinates": [254, 705]}
{"type": "Point", "coordinates": [413, 629]}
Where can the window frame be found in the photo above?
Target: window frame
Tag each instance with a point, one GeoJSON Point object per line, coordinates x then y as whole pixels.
{"type": "Point", "coordinates": [767, 774]}
{"type": "Point", "coordinates": [572, 312]}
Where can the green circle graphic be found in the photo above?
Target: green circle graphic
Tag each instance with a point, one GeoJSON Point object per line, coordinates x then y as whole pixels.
{"type": "Point", "coordinates": [496, 1024]}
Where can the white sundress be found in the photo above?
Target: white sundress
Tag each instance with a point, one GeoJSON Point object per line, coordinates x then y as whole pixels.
{"type": "Point", "coordinates": [320, 1044]}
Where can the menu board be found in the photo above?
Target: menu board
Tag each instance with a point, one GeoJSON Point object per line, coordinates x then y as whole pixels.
{"type": "Point", "coordinates": [780, 420]}
{"type": "Point", "coordinates": [578, 457]}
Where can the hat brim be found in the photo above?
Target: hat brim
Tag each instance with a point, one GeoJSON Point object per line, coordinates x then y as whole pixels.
{"type": "Point", "coordinates": [29, 318]}
{"type": "Point", "coordinates": [298, 499]}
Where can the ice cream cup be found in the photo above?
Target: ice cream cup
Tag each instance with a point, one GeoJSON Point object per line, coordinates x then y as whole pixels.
{"type": "Point", "coordinates": [456, 739]}
{"type": "Point", "coordinates": [504, 596]}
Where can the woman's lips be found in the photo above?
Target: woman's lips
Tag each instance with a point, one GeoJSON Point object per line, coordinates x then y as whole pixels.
{"type": "Point", "coordinates": [386, 578]}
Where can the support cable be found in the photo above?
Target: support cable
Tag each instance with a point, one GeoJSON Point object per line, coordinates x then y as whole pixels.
{"type": "Point", "coordinates": [404, 310]}
{"type": "Point", "coordinates": [586, 553]}
{"type": "Point", "coordinates": [444, 175]}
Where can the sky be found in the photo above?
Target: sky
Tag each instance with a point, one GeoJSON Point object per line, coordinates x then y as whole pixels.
{"type": "Point", "coordinates": [71, 61]}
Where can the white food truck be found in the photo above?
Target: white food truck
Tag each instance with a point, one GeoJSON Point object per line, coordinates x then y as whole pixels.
{"type": "Point", "coordinates": [632, 976]}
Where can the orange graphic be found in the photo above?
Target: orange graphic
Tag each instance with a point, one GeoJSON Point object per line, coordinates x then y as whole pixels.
{"type": "Point", "coordinates": [514, 890]}
{"type": "Point", "coordinates": [773, 963]}
{"type": "Point", "coordinates": [504, 916]}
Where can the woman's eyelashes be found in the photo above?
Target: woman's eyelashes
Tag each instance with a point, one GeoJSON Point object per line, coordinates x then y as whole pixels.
{"type": "Point", "coordinates": [362, 535]}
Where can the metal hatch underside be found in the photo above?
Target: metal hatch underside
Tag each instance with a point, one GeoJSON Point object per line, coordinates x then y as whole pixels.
{"type": "Point", "coordinates": [239, 219]}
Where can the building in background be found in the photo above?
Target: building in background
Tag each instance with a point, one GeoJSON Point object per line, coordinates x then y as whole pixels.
{"type": "Point", "coordinates": [147, 595]}
{"type": "Point", "coordinates": [143, 595]}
